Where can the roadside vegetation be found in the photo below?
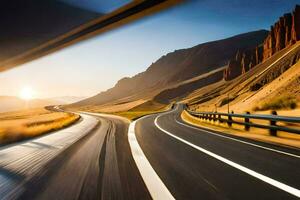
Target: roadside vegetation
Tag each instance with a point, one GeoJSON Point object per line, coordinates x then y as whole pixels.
{"type": "Point", "coordinates": [283, 102]}
{"type": "Point", "coordinates": [132, 115]}
{"type": "Point", "coordinates": [16, 126]}
{"type": "Point", "coordinates": [226, 101]}
{"type": "Point", "coordinates": [143, 110]}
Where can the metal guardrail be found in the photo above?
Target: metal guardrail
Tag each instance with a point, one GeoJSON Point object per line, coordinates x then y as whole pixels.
{"type": "Point", "coordinates": [273, 119]}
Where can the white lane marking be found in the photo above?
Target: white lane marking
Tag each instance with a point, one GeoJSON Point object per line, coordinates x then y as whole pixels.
{"type": "Point", "coordinates": [237, 140]}
{"type": "Point", "coordinates": [22, 159]}
{"type": "Point", "coordinates": [264, 178]}
{"type": "Point", "coordinates": [155, 186]}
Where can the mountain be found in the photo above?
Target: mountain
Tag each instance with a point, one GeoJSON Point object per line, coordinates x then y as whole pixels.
{"type": "Point", "coordinates": [255, 71]}
{"type": "Point", "coordinates": [177, 67]}
{"type": "Point", "coordinates": [26, 24]}
{"type": "Point", "coordinates": [276, 81]}
{"type": "Point", "coordinates": [284, 33]}
{"type": "Point", "coordinates": [10, 103]}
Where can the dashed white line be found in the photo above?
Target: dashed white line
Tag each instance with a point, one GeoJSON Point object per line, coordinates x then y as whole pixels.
{"type": "Point", "coordinates": [155, 186]}
{"type": "Point", "coordinates": [257, 175]}
{"type": "Point", "coordinates": [241, 141]}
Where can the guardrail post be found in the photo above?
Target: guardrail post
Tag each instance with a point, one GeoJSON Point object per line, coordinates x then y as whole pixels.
{"type": "Point", "coordinates": [219, 118]}
{"type": "Point", "coordinates": [247, 121]}
{"type": "Point", "coordinates": [273, 131]}
{"type": "Point", "coordinates": [247, 118]}
{"type": "Point", "coordinates": [230, 119]}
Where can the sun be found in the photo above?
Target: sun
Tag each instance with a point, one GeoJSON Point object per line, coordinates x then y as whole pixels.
{"type": "Point", "coordinates": [27, 93]}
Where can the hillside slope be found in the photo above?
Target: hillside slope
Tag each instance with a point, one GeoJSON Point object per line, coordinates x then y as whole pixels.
{"type": "Point", "coordinates": [265, 66]}
{"type": "Point", "coordinates": [275, 78]}
{"type": "Point", "coordinates": [176, 67]}
{"type": "Point", "coordinates": [284, 33]}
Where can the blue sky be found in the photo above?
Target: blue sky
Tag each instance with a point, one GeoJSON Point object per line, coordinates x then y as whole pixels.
{"type": "Point", "coordinates": [95, 65]}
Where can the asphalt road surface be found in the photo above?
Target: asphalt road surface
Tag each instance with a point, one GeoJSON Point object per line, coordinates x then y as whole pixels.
{"type": "Point", "coordinates": [199, 164]}
{"type": "Point", "coordinates": [158, 156]}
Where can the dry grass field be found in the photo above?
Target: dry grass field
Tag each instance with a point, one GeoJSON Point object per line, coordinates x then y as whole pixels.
{"type": "Point", "coordinates": [130, 110]}
{"type": "Point", "coordinates": [149, 107]}
{"type": "Point", "coordinates": [16, 126]}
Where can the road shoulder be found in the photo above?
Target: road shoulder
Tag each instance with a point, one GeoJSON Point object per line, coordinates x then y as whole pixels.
{"type": "Point", "coordinates": [285, 142]}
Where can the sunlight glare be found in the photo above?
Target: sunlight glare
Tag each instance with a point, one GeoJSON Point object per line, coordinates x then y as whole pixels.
{"type": "Point", "coordinates": [27, 93]}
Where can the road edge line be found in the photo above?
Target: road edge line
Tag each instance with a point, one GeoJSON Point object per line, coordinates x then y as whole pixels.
{"type": "Point", "coordinates": [238, 140]}
{"type": "Point", "coordinates": [154, 184]}
{"type": "Point", "coordinates": [246, 170]}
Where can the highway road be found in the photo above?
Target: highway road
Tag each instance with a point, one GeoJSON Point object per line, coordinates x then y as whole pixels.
{"type": "Point", "coordinates": [90, 160]}
{"type": "Point", "coordinates": [158, 156]}
{"type": "Point", "coordinates": [198, 164]}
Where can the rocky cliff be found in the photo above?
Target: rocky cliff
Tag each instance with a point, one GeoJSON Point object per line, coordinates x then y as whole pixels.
{"type": "Point", "coordinates": [243, 62]}
{"type": "Point", "coordinates": [285, 32]}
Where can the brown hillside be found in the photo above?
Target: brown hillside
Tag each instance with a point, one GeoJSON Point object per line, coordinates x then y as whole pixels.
{"type": "Point", "coordinates": [176, 67]}
{"type": "Point", "coordinates": [278, 76]}
{"type": "Point", "coordinates": [284, 33]}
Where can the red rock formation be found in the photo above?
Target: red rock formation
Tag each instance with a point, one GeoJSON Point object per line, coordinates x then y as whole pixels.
{"type": "Point", "coordinates": [283, 33]}
{"type": "Point", "coordinates": [288, 30]}
{"type": "Point", "coordinates": [295, 32]}
{"type": "Point", "coordinates": [243, 62]}
{"type": "Point", "coordinates": [280, 36]}
{"type": "Point", "coordinates": [234, 67]}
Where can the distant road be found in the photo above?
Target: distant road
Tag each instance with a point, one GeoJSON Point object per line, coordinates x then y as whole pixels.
{"type": "Point", "coordinates": [158, 156]}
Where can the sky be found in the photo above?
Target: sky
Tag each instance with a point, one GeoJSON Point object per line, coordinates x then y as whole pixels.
{"type": "Point", "coordinates": [95, 65]}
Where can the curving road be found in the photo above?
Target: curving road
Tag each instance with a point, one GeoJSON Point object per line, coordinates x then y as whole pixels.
{"type": "Point", "coordinates": [199, 164]}
{"type": "Point", "coordinates": [158, 156]}
{"type": "Point", "coordinates": [22, 161]}
{"type": "Point", "coordinates": [90, 160]}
